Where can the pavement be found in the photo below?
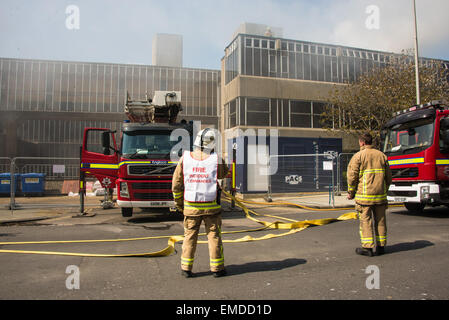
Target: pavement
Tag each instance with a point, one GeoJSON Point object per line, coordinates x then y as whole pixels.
{"type": "Point", "coordinates": [316, 263]}
{"type": "Point", "coordinates": [41, 208]}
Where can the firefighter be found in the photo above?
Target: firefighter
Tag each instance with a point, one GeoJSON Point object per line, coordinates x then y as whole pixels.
{"type": "Point", "coordinates": [369, 177]}
{"type": "Point", "coordinates": [196, 194]}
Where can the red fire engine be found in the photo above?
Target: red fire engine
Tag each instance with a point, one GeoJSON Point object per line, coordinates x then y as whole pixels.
{"type": "Point", "coordinates": [142, 167]}
{"type": "Point", "coordinates": [416, 142]}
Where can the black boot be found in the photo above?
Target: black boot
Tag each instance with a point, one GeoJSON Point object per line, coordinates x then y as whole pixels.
{"type": "Point", "coordinates": [380, 250]}
{"type": "Point", "coordinates": [187, 274]}
{"type": "Point", "coordinates": [220, 273]}
{"type": "Point", "coordinates": [365, 252]}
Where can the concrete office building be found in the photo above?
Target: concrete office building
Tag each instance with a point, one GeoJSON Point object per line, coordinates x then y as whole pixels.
{"type": "Point", "coordinates": [265, 82]}
{"type": "Point", "coordinates": [45, 105]}
{"type": "Point", "coordinates": [269, 82]}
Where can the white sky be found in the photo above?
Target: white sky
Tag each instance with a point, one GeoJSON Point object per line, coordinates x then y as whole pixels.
{"type": "Point", "coordinates": [122, 31]}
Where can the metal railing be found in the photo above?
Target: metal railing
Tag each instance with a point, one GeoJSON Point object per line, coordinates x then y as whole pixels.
{"type": "Point", "coordinates": [342, 163]}
{"type": "Point", "coordinates": [53, 170]}
{"type": "Point", "coordinates": [302, 173]}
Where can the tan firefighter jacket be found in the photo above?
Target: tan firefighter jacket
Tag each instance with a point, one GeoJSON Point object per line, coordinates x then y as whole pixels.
{"type": "Point", "coordinates": [194, 208]}
{"type": "Point", "coordinates": [369, 176]}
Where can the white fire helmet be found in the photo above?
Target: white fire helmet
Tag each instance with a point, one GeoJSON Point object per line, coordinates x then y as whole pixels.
{"type": "Point", "coordinates": [205, 139]}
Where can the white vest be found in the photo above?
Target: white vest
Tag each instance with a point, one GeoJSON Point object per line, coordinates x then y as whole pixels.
{"type": "Point", "coordinates": [200, 178]}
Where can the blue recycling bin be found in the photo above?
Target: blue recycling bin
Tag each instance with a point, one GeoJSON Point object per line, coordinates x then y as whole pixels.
{"type": "Point", "coordinates": [5, 183]}
{"type": "Point", "coordinates": [33, 183]}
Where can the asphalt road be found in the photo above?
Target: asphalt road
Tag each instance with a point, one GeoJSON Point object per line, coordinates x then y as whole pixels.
{"type": "Point", "coordinates": [316, 263]}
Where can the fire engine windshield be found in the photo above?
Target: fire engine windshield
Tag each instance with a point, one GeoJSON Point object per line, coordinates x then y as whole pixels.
{"type": "Point", "coordinates": [145, 144]}
{"type": "Point", "coordinates": [409, 137]}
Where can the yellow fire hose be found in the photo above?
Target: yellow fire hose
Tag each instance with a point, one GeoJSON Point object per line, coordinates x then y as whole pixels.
{"type": "Point", "coordinates": [292, 225]}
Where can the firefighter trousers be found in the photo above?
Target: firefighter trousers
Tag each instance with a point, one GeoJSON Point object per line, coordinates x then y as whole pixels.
{"type": "Point", "coordinates": [367, 231]}
{"type": "Point", "coordinates": [213, 230]}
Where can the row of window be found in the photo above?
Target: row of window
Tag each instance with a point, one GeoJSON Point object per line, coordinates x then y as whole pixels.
{"type": "Point", "coordinates": [56, 138]}
{"type": "Point", "coordinates": [88, 87]}
{"type": "Point", "coordinates": [312, 49]}
{"type": "Point", "coordinates": [289, 46]}
{"type": "Point", "coordinates": [258, 62]}
{"type": "Point", "coordinates": [305, 61]}
{"type": "Point", "coordinates": [248, 111]}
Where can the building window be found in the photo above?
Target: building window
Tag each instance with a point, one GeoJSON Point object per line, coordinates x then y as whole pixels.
{"type": "Point", "coordinates": [264, 44]}
{"type": "Point", "coordinates": [300, 114]}
{"type": "Point", "coordinates": [232, 114]}
{"type": "Point", "coordinates": [284, 64]}
{"type": "Point", "coordinates": [272, 62]}
{"type": "Point", "coordinates": [274, 112]}
{"type": "Point", "coordinates": [256, 43]}
{"type": "Point", "coordinates": [258, 112]}
{"type": "Point", "coordinates": [318, 109]}
{"type": "Point", "coordinates": [306, 48]}
{"type": "Point", "coordinates": [291, 46]}
{"type": "Point", "coordinates": [248, 42]}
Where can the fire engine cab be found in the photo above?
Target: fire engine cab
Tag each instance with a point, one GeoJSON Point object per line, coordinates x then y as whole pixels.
{"type": "Point", "coordinates": [416, 141]}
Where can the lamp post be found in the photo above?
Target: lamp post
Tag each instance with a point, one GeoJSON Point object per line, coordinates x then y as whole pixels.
{"type": "Point", "coordinates": [418, 98]}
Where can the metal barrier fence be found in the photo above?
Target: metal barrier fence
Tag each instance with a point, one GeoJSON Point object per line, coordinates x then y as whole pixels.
{"type": "Point", "coordinates": [5, 180]}
{"type": "Point", "coordinates": [40, 176]}
{"type": "Point", "coordinates": [342, 165]}
{"type": "Point", "coordinates": [302, 173]}
{"type": "Point", "coordinates": [294, 174]}
{"type": "Point", "coordinates": [5, 165]}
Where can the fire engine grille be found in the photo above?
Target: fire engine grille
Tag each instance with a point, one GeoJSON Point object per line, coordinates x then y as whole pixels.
{"type": "Point", "coordinates": [405, 173]}
{"type": "Point", "coordinates": [145, 169]}
{"type": "Point", "coordinates": [151, 185]}
{"type": "Point", "coordinates": [153, 196]}
{"type": "Point", "coordinates": [402, 193]}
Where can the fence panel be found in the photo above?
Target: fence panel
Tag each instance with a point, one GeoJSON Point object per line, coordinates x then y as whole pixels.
{"type": "Point", "coordinates": [342, 167]}
{"type": "Point", "coordinates": [43, 180]}
{"type": "Point", "coordinates": [302, 173]}
{"type": "Point", "coordinates": [5, 180]}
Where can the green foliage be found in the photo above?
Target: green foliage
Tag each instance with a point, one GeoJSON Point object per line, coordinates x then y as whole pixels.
{"type": "Point", "coordinates": [367, 104]}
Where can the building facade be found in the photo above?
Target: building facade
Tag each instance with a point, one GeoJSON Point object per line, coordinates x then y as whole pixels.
{"type": "Point", "coordinates": [45, 105]}
{"type": "Point", "coordinates": [265, 82]}
{"type": "Point", "coordinates": [275, 83]}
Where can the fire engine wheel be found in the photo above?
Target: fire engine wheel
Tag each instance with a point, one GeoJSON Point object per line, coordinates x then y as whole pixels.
{"type": "Point", "coordinates": [415, 207]}
{"type": "Point", "coordinates": [127, 212]}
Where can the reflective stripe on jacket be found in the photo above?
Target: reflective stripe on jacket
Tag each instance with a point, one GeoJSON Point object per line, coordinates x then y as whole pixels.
{"type": "Point", "coordinates": [369, 176]}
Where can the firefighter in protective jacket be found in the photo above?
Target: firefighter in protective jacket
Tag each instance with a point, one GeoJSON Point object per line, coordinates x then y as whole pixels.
{"type": "Point", "coordinates": [196, 193]}
{"type": "Point", "coordinates": [369, 177]}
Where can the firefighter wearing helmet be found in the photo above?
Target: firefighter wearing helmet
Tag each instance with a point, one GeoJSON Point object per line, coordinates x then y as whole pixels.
{"type": "Point", "coordinates": [196, 194]}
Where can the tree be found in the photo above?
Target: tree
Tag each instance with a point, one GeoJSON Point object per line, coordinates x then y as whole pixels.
{"type": "Point", "coordinates": [368, 103]}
